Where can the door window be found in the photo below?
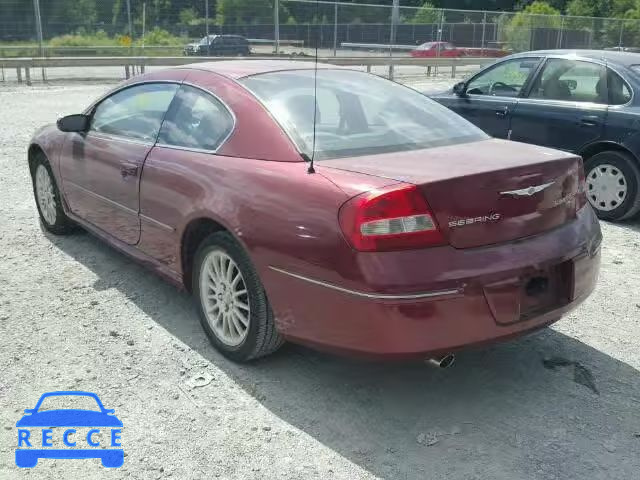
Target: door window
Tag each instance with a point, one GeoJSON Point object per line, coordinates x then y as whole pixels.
{"type": "Point", "coordinates": [134, 112]}
{"type": "Point", "coordinates": [196, 120]}
{"type": "Point", "coordinates": [571, 80]}
{"type": "Point", "coordinates": [505, 79]}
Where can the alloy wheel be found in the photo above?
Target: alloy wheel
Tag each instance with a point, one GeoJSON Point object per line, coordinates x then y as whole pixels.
{"type": "Point", "coordinates": [45, 195]}
{"type": "Point", "coordinates": [225, 298]}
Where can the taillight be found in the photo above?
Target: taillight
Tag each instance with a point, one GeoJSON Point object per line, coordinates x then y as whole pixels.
{"type": "Point", "coordinates": [391, 218]}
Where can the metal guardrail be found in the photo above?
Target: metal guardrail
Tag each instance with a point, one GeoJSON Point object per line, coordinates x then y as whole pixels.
{"type": "Point", "coordinates": [376, 46]}
{"type": "Point", "coordinates": [51, 50]}
{"type": "Point", "coordinates": [132, 63]}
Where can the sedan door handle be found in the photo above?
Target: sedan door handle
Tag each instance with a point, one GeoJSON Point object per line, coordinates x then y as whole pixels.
{"type": "Point", "coordinates": [128, 170]}
{"type": "Point", "coordinates": [589, 121]}
{"type": "Point", "coordinates": [502, 113]}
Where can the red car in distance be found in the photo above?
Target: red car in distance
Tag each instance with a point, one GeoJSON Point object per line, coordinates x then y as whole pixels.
{"type": "Point", "coordinates": [412, 233]}
{"type": "Point", "coordinates": [448, 50]}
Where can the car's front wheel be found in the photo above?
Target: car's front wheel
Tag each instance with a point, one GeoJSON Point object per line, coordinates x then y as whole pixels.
{"type": "Point", "coordinates": [613, 185]}
{"type": "Point", "coordinates": [48, 200]}
{"type": "Point", "coordinates": [234, 310]}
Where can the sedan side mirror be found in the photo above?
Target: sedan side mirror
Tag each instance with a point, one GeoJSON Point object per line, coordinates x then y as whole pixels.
{"type": "Point", "coordinates": [460, 89]}
{"type": "Point", "coordinates": [74, 123]}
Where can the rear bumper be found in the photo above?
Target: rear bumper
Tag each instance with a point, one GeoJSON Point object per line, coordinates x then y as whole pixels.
{"type": "Point", "coordinates": [425, 302]}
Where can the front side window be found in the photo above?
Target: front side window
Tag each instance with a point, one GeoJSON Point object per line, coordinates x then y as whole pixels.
{"type": "Point", "coordinates": [195, 120]}
{"type": "Point", "coordinates": [135, 112]}
{"type": "Point", "coordinates": [356, 113]}
{"type": "Point", "coordinates": [571, 80]}
{"type": "Point", "coordinates": [505, 79]}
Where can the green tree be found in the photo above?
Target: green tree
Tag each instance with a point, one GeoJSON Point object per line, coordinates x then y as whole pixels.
{"type": "Point", "coordinates": [67, 16]}
{"type": "Point", "coordinates": [239, 12]}
{"type": "Point", "coordinates": [540, 8]}
{"type": "Point", "coordinates": [426, 14]}
{"type": "Point", "coordinates": [582, 8]}
{"type": "Point", "coordinates": [520, 29]}
{"type": "Point", "coordinates": [188, 16]}
{"type": "Point", "coordinates": [620, 8]}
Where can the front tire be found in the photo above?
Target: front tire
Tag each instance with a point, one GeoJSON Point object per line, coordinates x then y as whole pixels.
{"type": "Point", "coordinates": [613, 185]}
{"type": "Point", "coordinates": [48, 199]}
{"type": "Point", "coordinates": [234, 310]}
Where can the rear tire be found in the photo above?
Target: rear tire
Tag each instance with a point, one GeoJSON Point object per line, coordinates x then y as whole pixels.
{"type": "Point", "coordinates": [233, 306]}
{"type": "Point", "coordinates": [48, 199]}
{"type": "Point", "coordinates": [613, 185]}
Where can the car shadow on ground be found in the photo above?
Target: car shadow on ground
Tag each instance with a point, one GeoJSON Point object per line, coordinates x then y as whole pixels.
{"type": "Point", "coordinates": [544, 406]}
{"type": "Point", "coordinates": [633, 224]}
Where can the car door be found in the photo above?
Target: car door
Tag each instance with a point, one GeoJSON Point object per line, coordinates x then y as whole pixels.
{"type": "Point", "coordinates": [196, 125]}
{"type": "Point", "coordinates": [218, 46]}
{"type": "Point", "coordinates": [490, 96]}
{"type": "Point", "coordinates": [100, 168]}
{"type": "Point", "coordinates": [565, 107]}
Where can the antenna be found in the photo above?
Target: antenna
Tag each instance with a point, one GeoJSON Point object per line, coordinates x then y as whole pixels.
{"type": "Point", "coordinates": [315, 96]}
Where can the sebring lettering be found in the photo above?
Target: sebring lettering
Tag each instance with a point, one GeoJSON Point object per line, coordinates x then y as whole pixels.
{"type": "Point", "coordinates": [461, 222]}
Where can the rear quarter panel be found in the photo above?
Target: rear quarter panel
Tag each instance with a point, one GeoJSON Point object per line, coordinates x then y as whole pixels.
{"type": "Point", "coordinates": [282, 215]}
{"type": "Point", "coordinates": [623, 127]}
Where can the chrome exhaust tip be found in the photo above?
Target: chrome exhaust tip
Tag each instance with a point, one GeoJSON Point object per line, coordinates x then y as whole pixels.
{"type": "Point", "coordinates": [442, 362]}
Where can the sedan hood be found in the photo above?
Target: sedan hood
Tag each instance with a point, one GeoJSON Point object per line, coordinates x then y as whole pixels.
{"type": "Point", "coordinates": [484, 192]}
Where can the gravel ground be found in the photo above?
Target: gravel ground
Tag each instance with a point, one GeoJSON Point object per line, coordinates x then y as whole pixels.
{"type": "Point", "coordinates": [75, 314]}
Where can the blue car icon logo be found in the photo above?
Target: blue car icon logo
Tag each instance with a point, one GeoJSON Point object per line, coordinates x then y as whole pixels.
{"type": "Point", "coordinates": [35, 430]}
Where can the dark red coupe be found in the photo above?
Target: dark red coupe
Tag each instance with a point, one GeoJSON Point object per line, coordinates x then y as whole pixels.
{"type": "Point", "coordinates": [412, 233]}
{"type": "Point", "coordinates": [449, 50]}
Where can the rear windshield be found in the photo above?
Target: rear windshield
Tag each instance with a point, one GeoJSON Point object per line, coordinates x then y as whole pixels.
{"type": "Point", "coordinates": [356, 113]}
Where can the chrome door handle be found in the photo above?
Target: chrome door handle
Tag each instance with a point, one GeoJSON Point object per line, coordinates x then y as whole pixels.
{"type": "Point", "coordinates": [502, 113]}
{"type": "Point", "coordinates": [589, 121]}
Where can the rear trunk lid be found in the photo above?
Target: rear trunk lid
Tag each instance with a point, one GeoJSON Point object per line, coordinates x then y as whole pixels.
{"type": "Point", "coordinates": [486, 192]}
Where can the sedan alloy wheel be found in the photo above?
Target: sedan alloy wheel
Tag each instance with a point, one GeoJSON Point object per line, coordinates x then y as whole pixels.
{"type": "Point", "coordinates": [225, 298]}
{"type": "Point", "coordinates": [45, 194]}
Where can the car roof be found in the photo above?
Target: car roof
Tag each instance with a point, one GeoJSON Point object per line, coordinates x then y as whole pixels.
{"type": "Point", "coordinates": [243, 68]}
{"type": "Point", "coordinates": [621, 58]}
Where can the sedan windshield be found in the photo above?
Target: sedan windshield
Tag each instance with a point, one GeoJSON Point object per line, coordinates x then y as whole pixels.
{"type": "Point", "coordinates": [356, 113]}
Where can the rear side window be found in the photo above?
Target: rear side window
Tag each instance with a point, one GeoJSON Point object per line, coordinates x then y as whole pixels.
{"type": "Point", "coordinates": [571, 80]}
{"type": "Point", "coordinates": [135, 112]}
{"type": "Point", "coordinates": [619, 91]}
{"type": "Point", "coordinates": [196, 120]}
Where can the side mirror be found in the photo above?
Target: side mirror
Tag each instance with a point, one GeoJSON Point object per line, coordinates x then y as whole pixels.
{"type": "Point", "coordinates": [460, 89]}
{"type": "Point", "coordinates": [73, 123]}
{"type": "Point", "coordinates": [29, 410]}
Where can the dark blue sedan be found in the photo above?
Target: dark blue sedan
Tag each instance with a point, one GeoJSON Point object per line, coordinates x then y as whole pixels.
{"type": "Point", "coordinates": [582, 101]}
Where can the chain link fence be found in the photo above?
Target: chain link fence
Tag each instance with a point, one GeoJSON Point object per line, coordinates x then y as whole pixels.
{"type": "Point", "coordinates": [163, 27]}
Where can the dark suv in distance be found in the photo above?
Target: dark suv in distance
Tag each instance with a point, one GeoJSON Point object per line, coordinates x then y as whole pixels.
{"type": "Point", "coordinates": [581, 101]}
{"type": "Point", "coordinates": [219, 46]}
